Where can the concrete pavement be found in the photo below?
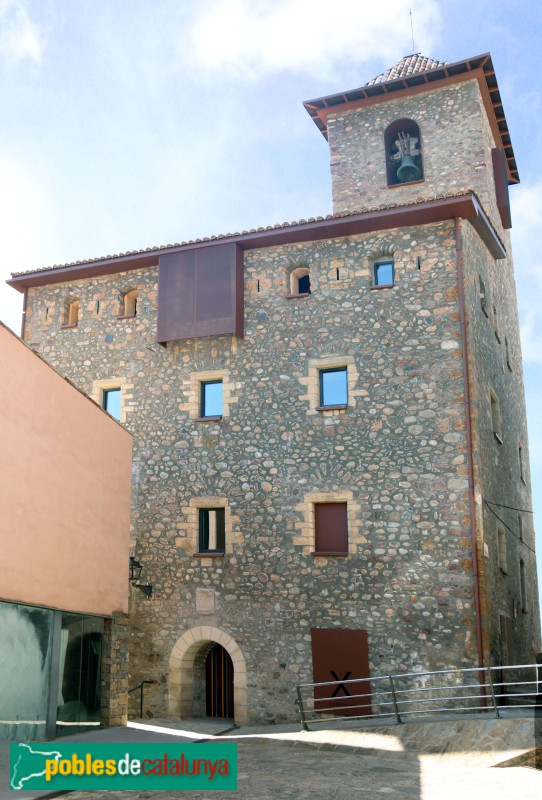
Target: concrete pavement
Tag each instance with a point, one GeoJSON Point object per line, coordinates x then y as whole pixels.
{"type": "Point", "coordinates": [282, 762]}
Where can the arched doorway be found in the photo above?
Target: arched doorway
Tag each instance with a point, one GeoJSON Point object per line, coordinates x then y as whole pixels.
{"type": "Point", "coordinates": [187, 679]}
{"type": "Point", "coordinates": [218, 683]}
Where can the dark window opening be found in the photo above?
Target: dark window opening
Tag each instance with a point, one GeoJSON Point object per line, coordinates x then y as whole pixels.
{"type": "Point", "coordinates": [384, 273]}
{"type": "Point", "coordinates": [211, 399]}
{"type": "Point", "coordinates": [304, 284]}
{"type": "Point", "coordinates": [483, 296]}
{"type": "Point", "coordinates": [334, 387]}
{"type": "Point", "coordinates": [111, 402]}
{"type": "Point", "coordinates": [522, 586]}
{"type": "Point", "coordinates": [403, 152]}
{"type": "Point", "coordinates": [212, 530]}
{"type": "Point", "coordinates": [331, 528]}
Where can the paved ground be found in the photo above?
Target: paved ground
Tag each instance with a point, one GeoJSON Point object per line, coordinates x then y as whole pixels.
{"type": "Point", "coordinates": [331, 765]}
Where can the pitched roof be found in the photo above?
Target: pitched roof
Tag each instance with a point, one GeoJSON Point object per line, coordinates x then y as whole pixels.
{"type": "Point", "coordinates": [416, 73]}
{"type": "Point", "coordinates": [409, 65]}
{"type": "Point", "coordinates": [385, 216]}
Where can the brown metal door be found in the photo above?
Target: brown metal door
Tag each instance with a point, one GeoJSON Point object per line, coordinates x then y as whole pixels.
{"type": "Point", "coordinates": [219, 683]}
{"type": "Point", "coordinates": [341, 655]}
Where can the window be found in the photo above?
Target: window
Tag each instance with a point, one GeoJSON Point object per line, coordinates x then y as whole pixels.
{"type": "Point", "coordinates": [520, 528]}
{"type": "Point", "coordinates": [483, 296]}
{"type": "Point", "coordinates": [507, 349]}
{"type": "Point", "coordinates": [300, 282]}
{"type": "Point", "coordinates": [128, 305]}
{"type": "Point", "coordinates": [71, 314]}
{"type": "Point", "coordinates": [501, 551]}
{"type": "Point", "coordinates": [111, 399]}
{"type": "Point", "coordinates": [331, 528]}
{"type": "Point", "coordinates": [383, 273]}
{"type": "Point", "coordinates": [333, 387]}
{"type": "Point", "coordinates": [522, 586]}
{"type": "Point", "coordinates": [496, 421]}
{"type": "Point", "coordinates": [212, 530]}
{"type": "Point", "coordinates": [403, 152]}
{"type": "Point", "coordinates": [211, 399]}
{"type": "Point", "coordinates": [496, 324]}
{"type": "Point", "coordinates": [521, 465]}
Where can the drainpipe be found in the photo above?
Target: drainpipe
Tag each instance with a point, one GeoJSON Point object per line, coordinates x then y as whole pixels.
{"type": "Point", "coordinates": [23, 318]}
{"type": "Point", "coordinates": [477, 608]}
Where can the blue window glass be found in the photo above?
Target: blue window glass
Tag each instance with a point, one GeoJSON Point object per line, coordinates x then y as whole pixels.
{"type": "Point", "coordinates": [211, 399]}
{"type": "Point", "coordinates": [111, 402]}
{"type": "Point", "coordinates": [333, 387]}
{"type": "Point", "coordinates": [383, 273]}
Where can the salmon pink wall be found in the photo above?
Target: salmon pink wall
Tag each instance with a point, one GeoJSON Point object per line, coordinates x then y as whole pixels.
{"type": "Point", "coordinates": [65, 473]}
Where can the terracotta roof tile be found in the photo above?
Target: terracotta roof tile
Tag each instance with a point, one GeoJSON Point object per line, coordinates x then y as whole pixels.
{"type": "Point", "coordinates": [218, 237]}
{"type": "Point", "coordinates": [409, 65]}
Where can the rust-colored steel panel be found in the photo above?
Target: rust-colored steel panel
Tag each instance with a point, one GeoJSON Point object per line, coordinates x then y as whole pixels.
{"type": "Point", "coordinates": [200, 293]}
{"type": "Point", "coordinates": [501, 186]}
{"type": "Point", "coordinates": [331, 528]}
{"type": "Point", "coordinates": [341, 655]}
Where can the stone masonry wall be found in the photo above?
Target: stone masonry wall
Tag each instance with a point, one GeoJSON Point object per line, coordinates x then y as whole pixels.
{"type": "Point", "coordinates": [398, 451]}
{"type": "Point", "coordinates": [495, 365]}
{"type": "Point", "coordinates": [456, 143]}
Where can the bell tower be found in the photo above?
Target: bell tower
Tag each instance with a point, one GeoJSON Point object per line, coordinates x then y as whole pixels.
{"type": "Point", "coordinates": [420, 130]}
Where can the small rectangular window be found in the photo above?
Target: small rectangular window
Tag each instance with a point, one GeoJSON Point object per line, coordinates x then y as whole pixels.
{"type": "Point", "coordinates": [384, 273]}
{"type": "Point", "coordinates": [522, 586]}
{"type": "Point", "coordinates": [521, 465]}
{"type": "Point", "coordinates": [331, 528]}
{"type": "Point", "coordinates": [212, 530]}
{"type": "Point", "coordinates": [333, 387]}
{"type": "Point", "coordinates": [111, 402]}
{"type": "Point", "coordinates": [496, 420]}
{"type": "Point", "coordinates": [211, 399]}
{"type": "Point", "coordinates": [501, 550]}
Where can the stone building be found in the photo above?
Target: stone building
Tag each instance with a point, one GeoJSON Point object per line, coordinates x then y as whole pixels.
{"type": "Point", "coordinates": [330, 445]}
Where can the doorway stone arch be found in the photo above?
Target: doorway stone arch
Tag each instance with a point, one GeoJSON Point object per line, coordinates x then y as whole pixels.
{"type": "Point", "coordinates": [181, 672]}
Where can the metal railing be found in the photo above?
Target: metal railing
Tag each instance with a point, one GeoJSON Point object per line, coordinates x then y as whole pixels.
{"type": "Point", "coordinates": [413, 695]}
{"type": "Point", "coordinates": [140, 687]}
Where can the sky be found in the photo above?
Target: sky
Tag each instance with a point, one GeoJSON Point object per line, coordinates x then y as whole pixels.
{"type": "Point", "coordinates": [127, 124]}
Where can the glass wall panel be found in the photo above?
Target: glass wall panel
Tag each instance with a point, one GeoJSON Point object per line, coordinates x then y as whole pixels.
{"type": "Point", "coordinates": [25, 668]}
{"type": "Point", "coordinates": [79, 673]}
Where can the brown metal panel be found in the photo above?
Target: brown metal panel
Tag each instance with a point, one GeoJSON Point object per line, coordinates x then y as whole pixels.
{"type": "Point", "coordinates": [501, 186]}
{"type": "Point", "coordinates": [199, 293]}
{"type": "Point", "coordinates": [341, 655]}
{"type": "Point", "coordinates": [176, 296]}
{"type": "Point", "coordinates": [331, 528]}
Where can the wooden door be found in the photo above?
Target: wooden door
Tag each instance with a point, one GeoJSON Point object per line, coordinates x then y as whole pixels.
{"type": "Point", "coordinates": [219, 683]}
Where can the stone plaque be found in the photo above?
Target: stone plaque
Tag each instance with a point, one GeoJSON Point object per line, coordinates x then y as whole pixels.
{"type": "Point", "coordinates": [205, 601]}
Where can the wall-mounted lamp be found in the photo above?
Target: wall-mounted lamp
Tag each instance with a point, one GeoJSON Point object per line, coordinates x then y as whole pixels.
{"type": "Point", "coordinates": [135, 572]}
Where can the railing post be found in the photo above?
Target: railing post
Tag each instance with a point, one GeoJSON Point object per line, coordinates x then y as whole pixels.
{"type": "Point", "coordinates": [301, 709]}
{"type": "Point", "coordinates": [394, 698]}
{"type": "Point", "coordinates": [495, 707]}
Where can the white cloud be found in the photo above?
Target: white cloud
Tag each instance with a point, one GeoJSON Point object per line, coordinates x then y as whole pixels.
{"type": "Point", "coordinates": [24, 215]}
{"type": "Point", "coordinates": [251, 38]}
{"type": "Point", "coordinates": [19, 37]}
{"type": "Point", "coordinates": [527, 222]}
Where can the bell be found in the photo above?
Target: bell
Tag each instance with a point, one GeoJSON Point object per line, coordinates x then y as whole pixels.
{"type": "Point", "coordinates": [408, 171]}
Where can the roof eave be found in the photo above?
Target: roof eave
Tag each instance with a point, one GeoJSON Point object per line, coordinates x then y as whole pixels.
{"type": "Point", "coordinates": [474, 67]}
{"type": "Point", "coordinates": [419, 213]}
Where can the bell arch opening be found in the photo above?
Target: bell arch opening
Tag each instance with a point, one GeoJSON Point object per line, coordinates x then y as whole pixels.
{"type": "Point", "coordinates": [402, 144]}
{"type": "Point", "coordinates": [207, 676]}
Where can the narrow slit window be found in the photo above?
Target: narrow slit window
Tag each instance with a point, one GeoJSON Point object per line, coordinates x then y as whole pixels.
{"type": "Point", "coordinates": [521, 465]}
{"type": "Point", "coordinates": [212, 404]}
{"type": "Point", "coordinates": [501, 550]}
{"type": "Point", "coordinates": [333, 387]}
{"type": "Point", "coordinates": [383, 273]}
{"type": "Point", "coordinates": [212, 530]}
{"type": "Point", "coordinates": [522, 585]}
{"type": "Point", "coordinates": [483, 295]}
{"type": "Point", "coordinates": [496, 420]}
{"type": "Point", "coordinates": [520, 528]}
